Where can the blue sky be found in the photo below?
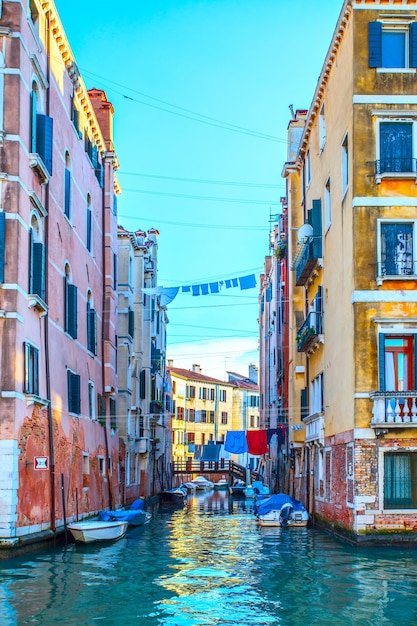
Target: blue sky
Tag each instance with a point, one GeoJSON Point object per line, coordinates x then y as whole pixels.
{"type": "Point", "coordinates": [201, 90]}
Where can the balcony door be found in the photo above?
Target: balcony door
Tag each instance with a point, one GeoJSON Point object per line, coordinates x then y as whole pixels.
{"type": "Point", "coordinates": [398, 363]}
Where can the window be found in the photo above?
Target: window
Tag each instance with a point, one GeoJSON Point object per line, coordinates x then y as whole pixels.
{"type": "Point", "coordinates": [74, 400]}
{"type": "Point", "coordinates": [322, 128]}
{"type": "Point", "coordinates": [41, 137]}
{"type": "Point", "coordinates": [86, 470]}
{"type": "Point", "coordinates": [252, 421]}
{"type": "Point", "coordinates": [114, 271]}
{"type": "Point", "coordinates": [70, 295]}
{"type": "Point", "coordinates": [190, 391]}
{"type": "Point", "coordinates": [101, 465]}
{"type": "Point", "coordinates": [75, 118]}
{"type": "Point", "coordinates": [400, 480]}
{"type": "Point", "coordinates": [31, 381]}
{"type": "Point", "coordinates": [113, 415]}
{"type": "Point", "coordinates": [396, 249]}
{"type": "Point", "coordinates": [211, 394]}
{"type": "Point", "coordinates": [316, 395]}
{"type": "Point", "coordinates": [395, 152]}
{"type": "Point", "coordinates": [202, 393]}
{"type": "Point", "coordinates": [191, 415]}
{"type": "Point", "coordinates": [327, 204]}
{"type": "Point", "coordinates": [91, 326]}
{"type": "Point", "coordinates": [345, 164]}
{"type": "Point", "coordinates": [180, 413]}
{"type": "Point", "coordinates": [204, 417]}
{"type": "Point", "coordinates": [91, 401]}
{"type": "Point", "coordinates": [392, 45]}
{"type": "Point", "coordinates": [396, 362]}
{"type": "Point", "coordinates": [211, 415]}
{"type": "Point", "coordinates": [67, 187]}
{"type": "Point", "coordinates": [253, 401]}
{"type": "Point", "coordinates": [222, 395]}
{"type": "Point", "coordinates": [89, 226]}
{"type": "Point", "coordinates": [37, 260]}
{"type": "Point", "coordinates": [224, 418]}
{"type": "Point", "coordinates": [190, 437]}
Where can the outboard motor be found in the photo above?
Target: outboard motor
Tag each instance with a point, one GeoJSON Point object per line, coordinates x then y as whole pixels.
{"type": "Point", "coordinates": [285, 514]}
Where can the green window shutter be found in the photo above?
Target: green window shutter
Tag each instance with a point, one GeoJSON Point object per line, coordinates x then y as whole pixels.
{"type": "Point", "coordinates": [381, 361]}
{"type": "Point", "coordinates": [67, 193]}
{"type": "Point", "coordinates": [101, 403]}
{"type": "Point", "coordinates": [316, 223]}
{"type": "Point", "coordinates": [44, 139]}
{"type": "Point", "coordinates": [413, 44]}
{"type": "Point", "coordinates": [33, 99]}
{"type": "Point", "coordinates": [37, 273]}
{"type": "Point", "coordinates": [74, 398]}
{"type": "Point", "coordinates": [88, 237]}
{"type": "Point", "coordinates": [112, 407]}
{"type": "Point", "coordinates": [2, 244]}
{"type": "Point", "coordinates": [131, 323]}
{"type": "Point", "coordinates": [374, 44]}
{"type": "Point", "coordinates": [92, 330]}
{"type": "Point", "coordinates": [71, 310]}
{"type": "Point", "coordinates": [142, 384]}
{"type": "Point", "coordinates": [69, 388]}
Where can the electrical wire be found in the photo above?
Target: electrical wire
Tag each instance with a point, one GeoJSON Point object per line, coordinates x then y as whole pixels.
{"type": "Point", "coordinates": [195, 225]}
{"type": "Point", "coordinates": [210, 198]}
{"type": "Point", "coordinates": [199, 180]}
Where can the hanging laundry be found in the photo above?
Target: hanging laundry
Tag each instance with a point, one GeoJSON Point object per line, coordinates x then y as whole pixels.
{"type": "Point", "coordinates": [257, 442]}
{"type": "Point", "coordinates": [228, 283]}
{"type": "Point", "coordinates": [234, 282]}
{"type": "Point", "coordinates": [281, 430]}
{"type": "Point", "coordinates": [196, 290]}
{"type": "Point", "coordinates": [204, 289]}
{"type": "Point", "coordinates": [214, 287]}
{"type": "Point", "coordinates": [247, 282]}
{"type": "Point", "coordinates": [270, 432]}
{"type": "Point", "coordinates": [186, 289]}
{"type": "Point", "coordinates": [236, 442]}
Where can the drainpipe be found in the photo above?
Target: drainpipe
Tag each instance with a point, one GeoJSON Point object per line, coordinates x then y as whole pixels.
{"type": "Point", "coordinates": [47, 358]}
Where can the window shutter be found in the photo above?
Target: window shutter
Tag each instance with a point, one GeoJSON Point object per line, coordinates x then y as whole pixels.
{"type": "Point", "coordinates": [38, 270]}
{"type": "Point", "coordinates": [2, 244]}
{"type": "Point", "coordinates": [413, 44]}
{"type": "Point", "coordinates": [35, 371]}
{"type": "Point", "coordinates": [374, 44]}
{"type": "Point", "coordinates": [93, 331]}
{"type": "Point", "coordinates": [67, 193]}
{"type": "Point", "coordinates": [381, 361]}
{"type": "Point", "coordinates": [44, 139]}
{"type": "Point", "coordinates": [101, 402]}
{"type": "Point", "coordinates": [131, 323]}
{"type": "Point", "coordinates": [88, 238]}
{"type": "Point", "coordinates": [26, 349]}
{"type": "Point", "coordinates": [69, 387]}
{"type": "Point", "coordinates": [33, 105]}
{"type": "Point", "coordinates": [143, 384]}
{"type": "Point", "coordinates": [71, 310]}
{"type": "Point", "coordinates": [74, 403]}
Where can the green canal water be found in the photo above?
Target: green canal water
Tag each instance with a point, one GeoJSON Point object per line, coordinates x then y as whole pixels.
{"type": "Point", "coordinates": [209, 564]}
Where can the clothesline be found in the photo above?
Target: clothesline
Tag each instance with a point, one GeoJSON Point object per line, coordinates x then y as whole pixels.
{"type": "Point", "coordinates": [254, 442]}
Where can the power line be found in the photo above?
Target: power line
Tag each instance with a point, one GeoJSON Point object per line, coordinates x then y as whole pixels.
{"type": "Point", "coordinates": [211, 198]}
{"type": "Point", "coordinates": [194, 225]}
{"type": "Point", "coordinates": [199, 180]}
{"type": "Point", "coordinates": [193, 115]}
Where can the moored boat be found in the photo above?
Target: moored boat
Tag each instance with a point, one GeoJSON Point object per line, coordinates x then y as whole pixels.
{"type": "Point", "coordinates": [222, 484]}
{"type": "Point", "coordinates": [176, 495]}
{"type": "Point", "coordinates": [97, 530]}
{"type": "Point", "coordinates": [202, 484]}
{"type": "Point", "coordinates": [237, 489]}
{"type": "Point", "coordinates": [256, 488]}
{"type": "Point", "coordinates": [281, 510]}
{"type": "Point", "coordinates": [135, 516]}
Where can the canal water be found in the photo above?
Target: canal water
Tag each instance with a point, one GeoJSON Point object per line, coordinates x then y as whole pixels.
{"type": "Point", "coordinates": [209, 564]}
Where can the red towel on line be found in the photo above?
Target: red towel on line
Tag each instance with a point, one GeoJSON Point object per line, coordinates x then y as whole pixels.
{"type": "Point", "coordinates": [257, 442]}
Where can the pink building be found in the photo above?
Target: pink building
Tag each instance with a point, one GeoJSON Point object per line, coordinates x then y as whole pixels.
{"type": "Point", "coordinates": [59, 445]}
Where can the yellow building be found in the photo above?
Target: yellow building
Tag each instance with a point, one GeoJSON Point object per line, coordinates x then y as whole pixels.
{"type": "Point", "coordinates": [202, 411]}
{"type": "Point", "coordinates": [352, 200]}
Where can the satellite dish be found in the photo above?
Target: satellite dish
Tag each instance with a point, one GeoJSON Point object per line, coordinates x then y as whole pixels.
{"type": "Point", "coordinates": [305, 232]}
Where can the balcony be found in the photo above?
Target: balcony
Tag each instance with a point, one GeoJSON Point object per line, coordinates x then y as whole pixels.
{"type": "Point", "coordinates": [393, 167]}
{"type": "Point", "coordinates": [394, 409]}
{"type": "Point", "coordinates": [314, 428]}
{"type": "Point", "coordinates": [308, 261]}
{"type": "Point", "coordinates": [310, 334]}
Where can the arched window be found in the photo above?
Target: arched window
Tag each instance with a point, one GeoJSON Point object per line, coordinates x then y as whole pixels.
{"type": "Point", "coordinates": [89, 235]}
{"type": "Point", "coordinates": [70, 295]}
{"type": "Point", "coordinates": [91, 325]}
{"type": "Point", "coordinates": [37, 258]}
{"type": "Point", "coordinates": [67, 186]}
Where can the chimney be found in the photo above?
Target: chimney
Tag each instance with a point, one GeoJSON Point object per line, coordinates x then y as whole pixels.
{"type": "Point", "coordinates": [196, 369]}
{"type": "Point", "coordinates": [170, 362]}
{"type": "Point", "coordinates": [104, 112]}
{"type": "Point", "coordinates": [253, 373]}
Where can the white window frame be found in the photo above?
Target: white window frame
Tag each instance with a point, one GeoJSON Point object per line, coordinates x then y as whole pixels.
{"type": "Point", "coordinates": [380, 279]}
{"type": "Point", "coordinates": [307, 169]}
{"type": "Point", "coordinates": [404, 27]}
{"type": "Point", "coordinates": [407, 117]}
{"type": "Point", "coordinates": [92, 401]}
{"type": "Point", "coordinates": [316, 386]}
{"type": "Point", "coordinates": [101, 464]}
{"type": "Point", "coordinates": [381, 478]}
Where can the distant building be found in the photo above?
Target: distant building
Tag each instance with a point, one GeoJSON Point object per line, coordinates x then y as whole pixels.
{"type": "Point", "coordinates": [144, 421]}
{"type": "Point", "coordinates": [351, 187]}
{"type": "Point", "coordinates": [59, 445]}
{"type": "Point", "coordinates": [202, 411]}
{"type": "Point", "coordinates": [245, 413]}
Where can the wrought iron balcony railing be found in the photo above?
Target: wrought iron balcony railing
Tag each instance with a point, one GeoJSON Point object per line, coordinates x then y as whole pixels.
{"type": "Point", "coordinates": [310, 331]}
{"type": "Point", "coordinates": [308, 261]}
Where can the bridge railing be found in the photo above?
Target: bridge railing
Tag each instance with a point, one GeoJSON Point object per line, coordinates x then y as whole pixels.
{"type": "Point", "coordinates": [200, 467]}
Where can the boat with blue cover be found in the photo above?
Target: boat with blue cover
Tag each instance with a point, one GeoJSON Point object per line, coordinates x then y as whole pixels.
{"type": "Point", "coordinates": [135, 516]}
{"type": "Point", "coordinates": [281, 510]}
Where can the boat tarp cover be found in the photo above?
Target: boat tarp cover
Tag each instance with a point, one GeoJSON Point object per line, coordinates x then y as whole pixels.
{"type": "Point", "coordinates": [133, 517]}
{"type": "Point", "coordinates": [276, 502]}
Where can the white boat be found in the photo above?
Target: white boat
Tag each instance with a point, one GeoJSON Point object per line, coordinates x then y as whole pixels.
{"type": "Point", "coordinates": [281, 510]}
{"type": "Point", "coordinates": [222, 484]}
{"type": "Point", "coordinates": [89, 531]}
{"type": "Point", "coordinates": [202, 484]}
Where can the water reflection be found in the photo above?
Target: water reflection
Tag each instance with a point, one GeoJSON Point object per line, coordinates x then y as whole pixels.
{"type": "Point", "coordinates": [208, 563]}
